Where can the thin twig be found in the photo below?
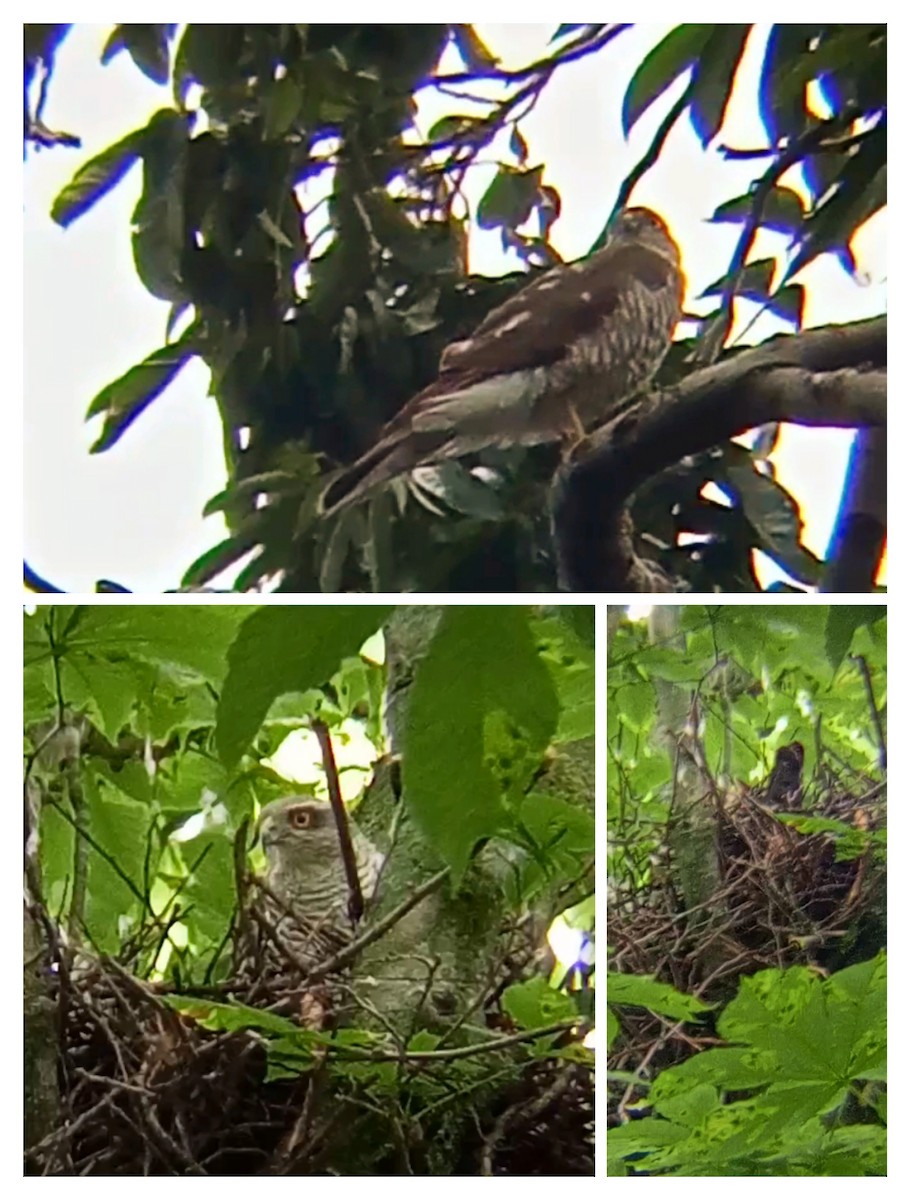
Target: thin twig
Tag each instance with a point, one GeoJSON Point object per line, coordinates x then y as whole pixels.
{"type": "Point", "coordinates": [648, 159]}
{"type": "Point", "coordinates": [863, 667]}
{"type": "Point", "coordinates": [108, 858]}
{"type": "Point", "coordinates": [437, 1056]}
{"type": "Point", "coordinates": [355, 893]}
{"type": "Point", "coordinates": [532, 1111]}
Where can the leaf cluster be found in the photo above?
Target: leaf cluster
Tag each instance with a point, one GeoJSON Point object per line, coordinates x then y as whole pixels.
{"type": "Point", "coordinates": [310, 236]}
{"type": "Point", "coordinates": [182, 706]}
{"type": "Point", "coordinates": [796, 1090]}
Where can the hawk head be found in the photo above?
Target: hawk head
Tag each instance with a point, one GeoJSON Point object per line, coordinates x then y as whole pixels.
{"type": "Point", "coordinates": [298, 831]}
{"type": "Point", "coordinates": [643, 227]}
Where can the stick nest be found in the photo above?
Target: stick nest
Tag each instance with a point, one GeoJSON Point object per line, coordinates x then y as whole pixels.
{"type": "Point", "coordinates": [787, 892]}
{"type": "Point", "coordinates": [148, 1090]}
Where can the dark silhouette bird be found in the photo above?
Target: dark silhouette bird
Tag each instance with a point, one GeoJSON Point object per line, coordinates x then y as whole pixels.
{"type": "Point", "coordinates": [554, 361]}
{"type": "Point", "coordinates": [784, 788]}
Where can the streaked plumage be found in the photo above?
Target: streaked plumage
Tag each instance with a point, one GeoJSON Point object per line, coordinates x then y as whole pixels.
{"type": "Point", "coordinates": [562, 353]}
{"type": "Point", "coordinates": [308, 907]}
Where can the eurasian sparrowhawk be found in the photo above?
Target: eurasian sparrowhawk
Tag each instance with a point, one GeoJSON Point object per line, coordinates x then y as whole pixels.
{"type": "Point", "coordinates": [556, 359]}
{"type": "Point", "coordinates": [304, 905]}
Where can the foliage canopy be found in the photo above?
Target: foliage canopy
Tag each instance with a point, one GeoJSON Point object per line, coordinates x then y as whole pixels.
{"type": "Point", "coordinates": [748, 1071]}
{"type": "Point", "coordinates": [310, 241]}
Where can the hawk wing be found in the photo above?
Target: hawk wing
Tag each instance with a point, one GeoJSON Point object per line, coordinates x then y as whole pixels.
{"type": "Point", "coordinates": [490, 385]}
{"type": "Point", "coordinates": [534, 327]}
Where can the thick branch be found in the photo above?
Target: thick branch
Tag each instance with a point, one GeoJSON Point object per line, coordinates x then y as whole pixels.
{"type": "Point", "coordinates": [834, 376]}
{"type": "Point", "coordinates": [862, 521]}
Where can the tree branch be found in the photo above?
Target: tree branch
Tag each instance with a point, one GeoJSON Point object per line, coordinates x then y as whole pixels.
{"type": "Point", "coordinates": [862, 521]}
{"type": "Point", "coordinates": [833, 376]}
{"type": "Point", "coordinates": [355, 893]}
{"type": "Point", "coordinates": [434, 1056]}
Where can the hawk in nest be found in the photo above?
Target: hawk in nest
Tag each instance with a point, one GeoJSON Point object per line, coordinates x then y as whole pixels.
{"type": "Point", "coordinates": [554, 361]}
{"type": "Point", "coordinates": [299, 918]}
{"type": "Point", "coordinates": [784, 788]}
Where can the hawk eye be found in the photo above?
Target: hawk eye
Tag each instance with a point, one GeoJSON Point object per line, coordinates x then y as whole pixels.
{"type": "Point", "coordinates": [300, 818]}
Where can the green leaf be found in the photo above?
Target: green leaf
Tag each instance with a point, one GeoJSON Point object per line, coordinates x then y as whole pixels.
{"type": "Point", "coordinates": [126, 398]}
{"type": "Point", "coordinates": [148, 46]}
{"type": "Point", "coordinates": [212, 562]}
{"type": "Point", "coordinates": [843, 621]}
{"type": "Point", "coordinates": [782, 210]}
{"type": "Point", "coordinates": [678, 52]}
{"type": "Point", "coordinates": [212, 53]}
{"type": "Point", "coordinates": [132, 780]}
{"type": "Point", "coordinates": [782, 103]}
{"type": "Point", "coordinates": [563, 836]}
{"type": "Point", "coordinates": [454, 484]}
{"type": "Point", "coordinates": [564, 29]}
{"type": "Point", "coordinates": [565, 642]}
{"type": "Point", "coordinates": [347, 531]}
{"type": "Point", "coordinates": [613, 1028]}
{"type": "Point", "coordinates": [858, 191]}
{"type": "Point", "coordinates": [285, 649]}
{"type": "Point", "coordinates": [789, 303]}
{"type": "Point", "coordinates": [475, 54]}
{"type": "Point", "coordinates": [754, 281]}
{"type": "Point", "coordinates": [212, 1015]}
{"type": "Point", "coordinates": [282, 104]}
{"type": "Point", "coordinates": [211, 888]}
{"type": "Point", "coordinates": [661, 998]}
{"type": "Point", "coordinates": [192, 636]}
{"type": "Point", "coordinates": [511, 197]}
{"type": "Point", "coordinates": [56, 843]}
{"type": "Point", "coordinates": [518, 145]}
{"type": "Point", "coordinates": [482, 711]}
{"type": "Point", "coordinates": [121, 827]}
{"type": "Point", "coordinates": [712, 83]}
{"type": "Point", "coordinates": [692, 1108]}
{"type": "Point", "coordinates": [637, 704]}
{"type": "Point", "coordinates": [534, 1004]}
{"type": "Point", "coordinates": [108, 689]}
{"type": "Point", "coordinates": [96, 178]}
{"type": "Point", "coordinates": [775, 517]}
{"type": "Point", "coordinates": [451, 126]}
{"type": "Point", "coordinates": [159, 233]}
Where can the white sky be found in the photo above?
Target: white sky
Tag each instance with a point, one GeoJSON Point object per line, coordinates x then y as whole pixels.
{"type": "Point", "coordinates": [134, 513]}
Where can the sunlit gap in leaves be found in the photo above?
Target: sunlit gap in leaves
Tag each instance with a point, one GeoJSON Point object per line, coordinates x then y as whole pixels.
{"type": "Point", "coordinates": [573, 949]}
{"type": "Point", "coordinates": [639, 612]}
{"type": "Point", "coordinates": [299, 760]}
{"type": "Point", "coordinates": [313, 194]}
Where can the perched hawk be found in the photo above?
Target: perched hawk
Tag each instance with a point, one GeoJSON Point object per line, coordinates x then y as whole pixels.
{"type": "Point", "coordinates": [303, 908]}
{"type": "Point", "coordinates": [554, 360]}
